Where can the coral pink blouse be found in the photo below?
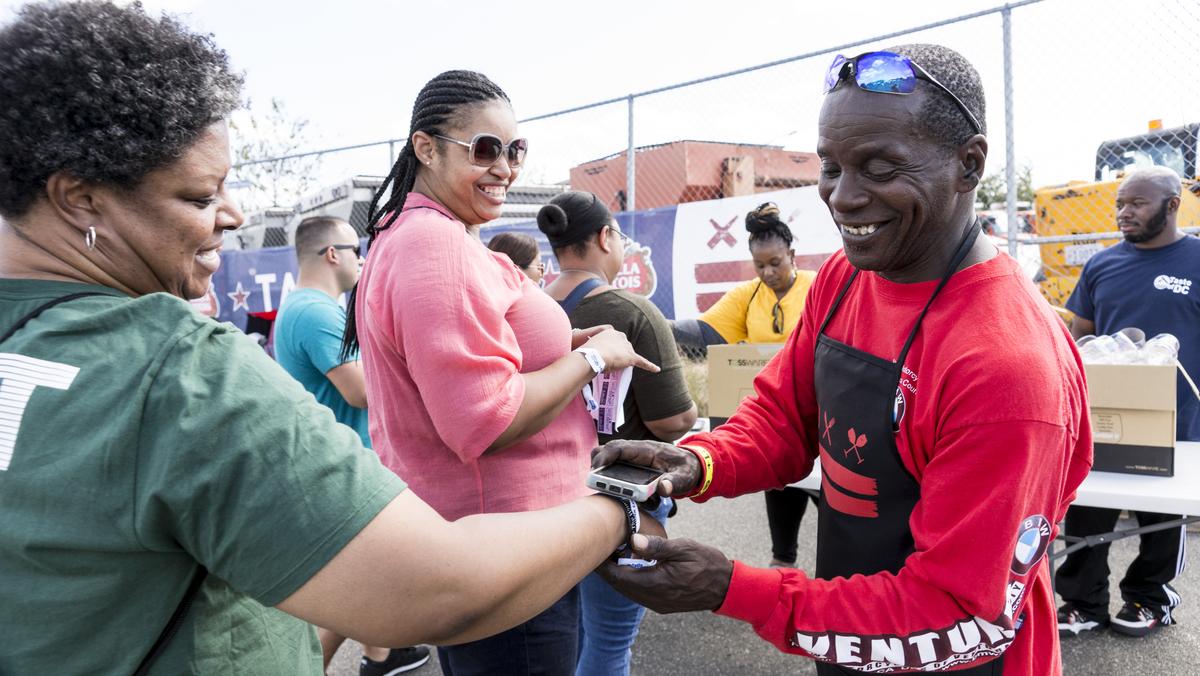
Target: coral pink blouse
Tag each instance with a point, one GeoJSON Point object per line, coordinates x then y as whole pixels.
{"type": "Point", "coordinates": [446, 328]}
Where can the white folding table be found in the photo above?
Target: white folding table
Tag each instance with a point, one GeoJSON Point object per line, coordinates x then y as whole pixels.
{"type": "Point", "coordinates": [1179, 494]}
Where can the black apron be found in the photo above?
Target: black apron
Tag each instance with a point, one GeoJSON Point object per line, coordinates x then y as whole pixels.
{"type": "Point", "coordinates": [867, 494]}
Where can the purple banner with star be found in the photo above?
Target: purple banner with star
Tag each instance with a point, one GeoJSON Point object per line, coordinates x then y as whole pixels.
{"type": "Point", "coordinates": [251, 281]}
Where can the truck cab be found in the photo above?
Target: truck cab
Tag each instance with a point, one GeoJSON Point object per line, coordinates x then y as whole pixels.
{"type": "Point", "coordinates": [1175, 148]}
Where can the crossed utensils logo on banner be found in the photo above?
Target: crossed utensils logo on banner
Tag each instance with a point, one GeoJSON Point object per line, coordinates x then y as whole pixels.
{"type": "Point", "coordinates": [722, 234]}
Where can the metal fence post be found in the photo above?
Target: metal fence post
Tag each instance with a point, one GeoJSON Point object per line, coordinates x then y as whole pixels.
{"type": "Point", "coordinates": [391, 154]}
{"type": "Point", "coordinates": [630, 169]}
{"type": "Point", "coordinates": [1010, 169]}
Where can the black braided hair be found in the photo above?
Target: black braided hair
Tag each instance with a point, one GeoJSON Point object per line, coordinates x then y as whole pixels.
{"type": "Point", "coordinates": [764, 225]}
{"type": "Point", "coordinates": [441, 102]}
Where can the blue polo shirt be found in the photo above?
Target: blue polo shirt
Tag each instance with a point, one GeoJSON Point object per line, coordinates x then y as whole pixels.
{"type": "Point", "coordinates": [1157, 291]}
{"type": "Point", "coordinates": [308, 338]}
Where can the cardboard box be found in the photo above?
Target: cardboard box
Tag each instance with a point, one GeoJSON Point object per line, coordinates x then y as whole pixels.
{"type": "Point", "coordinates": [731, 372]}
{"type": "Point", "coordinates": [1133, 418]}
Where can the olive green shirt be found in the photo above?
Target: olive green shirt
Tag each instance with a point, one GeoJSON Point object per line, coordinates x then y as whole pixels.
{"type": "Point", "coordinates": [652, 396]}
{"type": "Point", "coordinates": [137, 440]}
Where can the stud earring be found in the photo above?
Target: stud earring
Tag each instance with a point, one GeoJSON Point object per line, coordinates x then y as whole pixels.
{"type": "Point", "coordinates": [90, 238]}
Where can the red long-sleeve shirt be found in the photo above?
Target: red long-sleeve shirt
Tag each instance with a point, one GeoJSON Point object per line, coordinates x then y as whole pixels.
{"type": "Point", "coordinates": [995, 430]}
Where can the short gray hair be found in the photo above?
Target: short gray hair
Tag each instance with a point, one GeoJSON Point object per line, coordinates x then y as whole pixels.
{"type": "Point", "coordinates": [939, 116]}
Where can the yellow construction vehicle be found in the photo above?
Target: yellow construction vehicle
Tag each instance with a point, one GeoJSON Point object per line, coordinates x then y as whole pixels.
{"type": "Point", "coordinates": [1070, 214]}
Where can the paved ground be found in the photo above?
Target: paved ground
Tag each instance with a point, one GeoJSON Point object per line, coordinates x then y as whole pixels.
{"type": "Point", "coordinates": [704, 644]}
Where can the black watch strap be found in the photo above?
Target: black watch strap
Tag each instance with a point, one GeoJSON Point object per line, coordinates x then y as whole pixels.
{"type": "Point", "coordinates": [633, 518]}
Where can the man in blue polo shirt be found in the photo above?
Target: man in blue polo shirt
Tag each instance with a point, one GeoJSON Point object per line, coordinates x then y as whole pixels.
{"type": "Point", "coordinates": [308, 342]}
{"type": "Point", "coordinates": [1151, 281]}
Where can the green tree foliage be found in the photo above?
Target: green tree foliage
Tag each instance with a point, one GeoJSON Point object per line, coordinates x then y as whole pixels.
{"type": "Point", "coordinates": [993, 189]}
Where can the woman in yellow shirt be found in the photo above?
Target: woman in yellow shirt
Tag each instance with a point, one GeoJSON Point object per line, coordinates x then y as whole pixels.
{"type": "Point", "coordinates": [766, 310]}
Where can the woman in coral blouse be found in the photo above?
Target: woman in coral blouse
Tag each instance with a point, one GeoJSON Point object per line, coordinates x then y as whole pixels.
{"type": "Point", "coordinates": [473, 373]}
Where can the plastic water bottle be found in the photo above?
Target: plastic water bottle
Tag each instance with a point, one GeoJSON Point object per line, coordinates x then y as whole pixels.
{"type": "Point", "coordinates": [1161, 349]}
{"type": "Point", "coordinates": [1099, 350]}
{"type": "Point", "coordinates": [1136, 335]}
{"type": "Point", "coordinates": [1126, 351]}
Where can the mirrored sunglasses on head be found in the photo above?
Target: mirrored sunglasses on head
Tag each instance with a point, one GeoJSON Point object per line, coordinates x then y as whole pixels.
{"type": "Point", "coordinates": [888, 73]}
{"type": "Point", "coordinates": [484, 149]}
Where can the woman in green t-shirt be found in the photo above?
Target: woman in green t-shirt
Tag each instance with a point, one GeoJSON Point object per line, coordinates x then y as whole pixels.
{"type": "Point", "coordinates": [151, 455]}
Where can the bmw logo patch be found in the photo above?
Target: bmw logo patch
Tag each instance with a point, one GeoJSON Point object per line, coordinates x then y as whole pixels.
{"type": "Point", "coordinates": [898, 407]}
{"type": "Point", "coordinates": [1033, 540]}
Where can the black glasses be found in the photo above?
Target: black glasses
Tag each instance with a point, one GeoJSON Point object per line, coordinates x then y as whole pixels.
{"type": "Point", "coordinates": [888, 73]}
{"type": "Point", "coordinates": [353, 247]}
{"type": "Point", "coordinates": [777, 318]}
{"type": "Point", "coordinates": [625, 239]}
{"type": "Point", "coordinates": [485, 149]}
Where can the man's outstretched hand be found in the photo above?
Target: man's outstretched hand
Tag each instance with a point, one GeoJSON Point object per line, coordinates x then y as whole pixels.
{"type": "Point", "coordinates": [689, 576]}
{"type": "Point", "coordinates": [683, 471]}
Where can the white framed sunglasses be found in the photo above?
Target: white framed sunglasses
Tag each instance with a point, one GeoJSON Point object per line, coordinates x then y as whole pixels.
{"type": "Point", "coordinates": [484, 149]}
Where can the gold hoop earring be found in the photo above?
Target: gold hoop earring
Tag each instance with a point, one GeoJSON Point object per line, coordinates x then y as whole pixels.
{"type": "Point", "coordinates": [90, 238]}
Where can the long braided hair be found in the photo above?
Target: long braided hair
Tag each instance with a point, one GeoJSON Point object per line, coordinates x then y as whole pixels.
{"type": "Point", "coordinates": [439, 103]}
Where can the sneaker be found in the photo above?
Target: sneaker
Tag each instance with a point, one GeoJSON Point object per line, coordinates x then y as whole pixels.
{"type": "Point", "coordinates": [398, 661]}
{"type": "Point", "coordinates": [1072, 622]}
{"type": "Point", "coordinates": [1138, 620]}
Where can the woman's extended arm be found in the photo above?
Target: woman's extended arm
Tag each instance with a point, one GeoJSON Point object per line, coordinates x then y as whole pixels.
{"type": "Point", "coordinates": [411, 577]}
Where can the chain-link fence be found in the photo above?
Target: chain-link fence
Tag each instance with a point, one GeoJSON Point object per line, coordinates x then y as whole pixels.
{"type": "Point", "coordinates": [1079, 92]}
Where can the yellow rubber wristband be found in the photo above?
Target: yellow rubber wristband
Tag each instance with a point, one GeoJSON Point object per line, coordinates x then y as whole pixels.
{"type": "Point", "coordinates": [707, 461]}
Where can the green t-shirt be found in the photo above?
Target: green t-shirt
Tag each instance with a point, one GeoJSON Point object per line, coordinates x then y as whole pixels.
{"type": "Point", "coordinates": [138, 438]}
{"type": "Point", "coordinates": [652, 396]}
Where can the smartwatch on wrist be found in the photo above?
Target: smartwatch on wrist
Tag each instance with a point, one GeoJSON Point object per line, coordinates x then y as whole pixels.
{"type": "Point", "coordinates": [593, 358]}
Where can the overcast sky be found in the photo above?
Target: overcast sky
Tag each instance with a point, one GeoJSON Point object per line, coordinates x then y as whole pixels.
{"type": "Point", "coordinates": [1085, 70]}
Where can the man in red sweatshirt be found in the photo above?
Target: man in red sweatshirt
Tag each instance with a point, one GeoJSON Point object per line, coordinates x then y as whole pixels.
{"type": "Point", "coordinates": [945, 400]}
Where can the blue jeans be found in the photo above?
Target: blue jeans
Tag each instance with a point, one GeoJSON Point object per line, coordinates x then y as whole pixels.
{"type": "Point", "coordinates": [608, 623]}
{"type": "Point", "coordinates": [543, 646]}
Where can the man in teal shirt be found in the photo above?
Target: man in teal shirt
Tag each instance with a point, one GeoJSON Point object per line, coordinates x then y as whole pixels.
{"type": "Point", "coordinates": [308, 329]}
{"type": "Point", "coordinates": [308, 342]}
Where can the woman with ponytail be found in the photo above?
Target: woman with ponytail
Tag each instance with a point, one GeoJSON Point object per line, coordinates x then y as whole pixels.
{"type": "Point", "coordinates": [471, 369]}
{"type": "Point", "coordinates": [590, 249]}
